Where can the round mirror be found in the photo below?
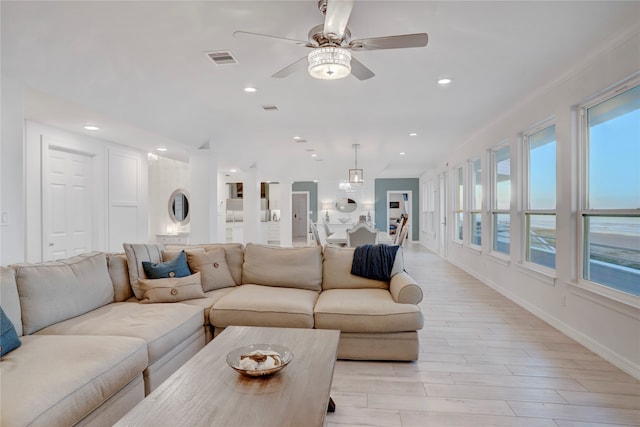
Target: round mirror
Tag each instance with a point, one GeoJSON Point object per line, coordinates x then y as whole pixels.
{"type": "Point", "coordinates": [179, 206]}
{"type": "Point", "coordinates": [346, 205]}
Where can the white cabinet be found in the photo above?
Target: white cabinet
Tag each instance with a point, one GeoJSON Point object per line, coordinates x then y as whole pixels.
{"type": "Point", "coordinates": [273, 232]}
{"type": "Point", "coordinates": [173, 239]}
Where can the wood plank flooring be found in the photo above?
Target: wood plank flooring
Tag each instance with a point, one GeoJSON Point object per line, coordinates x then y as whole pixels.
{"type": "Point", "coordinates": [484, 361]}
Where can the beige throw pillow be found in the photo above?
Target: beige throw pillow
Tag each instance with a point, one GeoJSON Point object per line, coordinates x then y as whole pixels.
{"type": "Point", "coordinates": [171, 289]}
{"type": "Point", "coordinates": [213, 267]}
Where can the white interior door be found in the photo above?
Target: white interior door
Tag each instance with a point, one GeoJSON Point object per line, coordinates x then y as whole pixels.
{"type": "Point", "coordinates": [67, 219]}
{"type": "Point", "coordinates": [299, 215]}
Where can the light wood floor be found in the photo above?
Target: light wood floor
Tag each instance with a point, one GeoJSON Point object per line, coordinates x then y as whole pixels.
{"type": "Point", "coordinates": [484, 361]}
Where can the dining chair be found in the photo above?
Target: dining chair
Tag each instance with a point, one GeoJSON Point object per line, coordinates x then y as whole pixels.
{"type": "Point", "coordinates": [316, 235]}
{"type": "Point", "coordinates": [327, 230]}
{"type": "Point", "coordinates": [361, 234]}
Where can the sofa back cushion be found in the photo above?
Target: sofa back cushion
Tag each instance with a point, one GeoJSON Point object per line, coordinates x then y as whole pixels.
{"type": "Point", "coordinates": [51, 292]}
{"type": "Point", "coordinates": [137, 253]}
{"type": "Point", "coordinates": [233, 254]}
{"type": "Point", "coordinates": [336, 269]}
{"type": "Point", "coordinates": [119, 273]}
{"type": "Point", "coordinates": [285, 267]}
{"type": "Point", "coordinates": [9, 297]}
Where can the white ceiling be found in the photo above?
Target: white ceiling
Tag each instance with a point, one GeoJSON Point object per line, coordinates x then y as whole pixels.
{"type": "Point", "coordinates": [138, 70]}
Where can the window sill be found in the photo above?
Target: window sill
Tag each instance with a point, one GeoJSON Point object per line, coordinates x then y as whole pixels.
{"type": "Point", "coordinates": [498, 258]}
{"type": "Point", "coordinates": [608, 293]}
{"type": "Point", "coordinates": [457, 243]}
{"type": "Point", "coordinates": [544, 275]}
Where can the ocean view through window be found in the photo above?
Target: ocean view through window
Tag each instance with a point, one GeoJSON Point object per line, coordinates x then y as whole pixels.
{"type": "Point", "coordinates": [611, 203]}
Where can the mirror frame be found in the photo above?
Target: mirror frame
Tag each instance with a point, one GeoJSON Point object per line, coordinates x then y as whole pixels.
{"type": "Point", "coordinates": [172, 214]}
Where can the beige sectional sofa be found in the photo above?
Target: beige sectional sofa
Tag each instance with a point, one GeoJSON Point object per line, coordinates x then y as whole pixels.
{"type": "Point", "coordinates": [91, 351]}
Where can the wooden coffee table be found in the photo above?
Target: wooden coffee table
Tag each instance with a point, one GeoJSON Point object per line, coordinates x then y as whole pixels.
{"type": "Point", "coordinates": [205, 391]}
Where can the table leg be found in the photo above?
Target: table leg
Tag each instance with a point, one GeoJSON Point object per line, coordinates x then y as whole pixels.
{"type": "Point", "coordinates": [332, 405]}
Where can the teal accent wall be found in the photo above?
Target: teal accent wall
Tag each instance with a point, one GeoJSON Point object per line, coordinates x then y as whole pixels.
{"type": "Point", "coordinates": [382, 185]}
{"type": "Point", "coordinates": [312, 188]}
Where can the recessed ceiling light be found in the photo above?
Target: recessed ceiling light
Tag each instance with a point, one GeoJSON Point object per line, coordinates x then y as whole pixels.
{"type": "Point", "coordinates": [161, 149]}
{"type": "Point", "coordinates": [297, 137]}
{"type": "Point", "coordinates": [91, 127]}
{"type": "Point", "coordinates": [314, 155]}
{"type": "Point", "coordinates": [444, 81]}
{"type": "Point", "coordinates": [250, 89]}
{"type": "Point", "coordinates": [413, 134]}
{"type": "Point", "coordinates": [402, 153]}
{"type": "Point", "coordinates": [233, 170]}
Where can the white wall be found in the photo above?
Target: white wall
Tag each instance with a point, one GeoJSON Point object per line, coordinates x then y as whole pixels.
{"type": "Point", "coordinates": [12, 229]}
{"type": "Point", "coordinates": [607, 327]}
{"type": "Point", "coordinates": [165, 176]}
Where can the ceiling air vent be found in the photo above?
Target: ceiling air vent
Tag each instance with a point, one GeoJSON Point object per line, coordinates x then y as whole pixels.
{"type": "Point", "coordinates": [269, 108]}
{"type": "Point", "coordinates": [221, 57]}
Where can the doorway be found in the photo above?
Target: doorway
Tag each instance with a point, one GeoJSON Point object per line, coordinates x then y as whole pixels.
{"type": "Point", "coordinates": [300, 217]}
{"type": "Point", "coordinates": [66, 200]}
{"type": "Point", "coordinates": [398, 205]}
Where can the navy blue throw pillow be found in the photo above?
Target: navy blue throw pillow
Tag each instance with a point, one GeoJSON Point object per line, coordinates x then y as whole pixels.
{"type": "Point", "coordinates": [9, 338]}
{"type": "Point", "coordinates": [176, 267]}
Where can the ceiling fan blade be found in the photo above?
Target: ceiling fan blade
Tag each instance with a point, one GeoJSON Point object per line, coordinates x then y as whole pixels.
{"type": "Point", "coordinates": [359, 70]}
{"type": "Point", "coordinates": [391, 42]}
{"type": "Point", "coordinates": [250, 34]}
{"type": "Point", "coordinates": [300, 64]}
{"type": "Point", "coordinates": [337, 17]}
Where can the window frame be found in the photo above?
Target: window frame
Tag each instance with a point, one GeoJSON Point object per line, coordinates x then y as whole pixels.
{"type": "Point", "coordinates": [584, 212]}
{"type": "Point", "coordinates": [473, 205]}
{"type": "Point", "coordinates": [458, 204]}
{"type": "Point", "coordinates": [526, 211]}
{"type": "Point", "coordinates": [492, 193]}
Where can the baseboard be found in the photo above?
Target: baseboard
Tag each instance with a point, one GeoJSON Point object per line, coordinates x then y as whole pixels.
{"type": "Point", "coordinates": [612, 357]}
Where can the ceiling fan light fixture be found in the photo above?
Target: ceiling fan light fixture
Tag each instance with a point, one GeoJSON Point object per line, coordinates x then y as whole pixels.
{"type": "Point", "coordinates": [329, 63]}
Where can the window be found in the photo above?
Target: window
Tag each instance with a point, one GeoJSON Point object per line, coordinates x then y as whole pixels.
{"type": "Point", "coordinates": [475, 201]}
{"type": "Point", "coordinates": [501, 200]}
{"type": "Point", "coordinates": [459, 205]}
{"type": "Point", "coordinates": [611, 197]}
{"type": "Point", "coordinates": [540, 210]}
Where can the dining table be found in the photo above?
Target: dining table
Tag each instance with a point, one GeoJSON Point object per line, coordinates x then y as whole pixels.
{"type": "Point", "coordinates": [340, 238]}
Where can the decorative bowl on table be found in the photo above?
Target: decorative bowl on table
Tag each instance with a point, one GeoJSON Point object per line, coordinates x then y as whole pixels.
{"type": "Point", "coordinates": [257, 360]}
{"type": "Point", "coordinates": [344, 220]}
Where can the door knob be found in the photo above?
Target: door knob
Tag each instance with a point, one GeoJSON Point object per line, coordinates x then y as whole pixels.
{"type": "Point", "coordinates": [50, 244]}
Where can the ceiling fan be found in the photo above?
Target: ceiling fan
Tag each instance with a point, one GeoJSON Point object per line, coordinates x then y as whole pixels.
{"type": "Point", "coordinates": [330, 57]}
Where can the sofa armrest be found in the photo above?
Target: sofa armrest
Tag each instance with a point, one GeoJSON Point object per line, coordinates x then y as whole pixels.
{"type": "Point", "coordinates": [404, 289]}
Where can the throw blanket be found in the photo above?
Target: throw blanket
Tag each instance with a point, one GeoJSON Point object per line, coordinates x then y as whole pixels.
{"type": "Point", "coordinates": [374, 261]}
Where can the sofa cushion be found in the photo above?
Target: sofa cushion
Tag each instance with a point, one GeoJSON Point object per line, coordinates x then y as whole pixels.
{"type": "Point", "coordinates": [161, 326]}
{"type": "Point", "coordinates": [9, 297]}
{"type": "Point", "coordinates": [119, 273]}
{"type": "Point", "coordinates": [255, 305]}
{"type": "Point", "coordinates": [51, 292]}
{"type": "Point", "coordinates": [233, 254]}
{"type": "Point", "coordinates": [136, 253]}
{"type": "Point", "coordinates": [64, 378]}
{"type": "Point", "coordinates": [365, 310]}
{"type": "Point", "coordinates": [171, 289]}
{"type": "Point", "coordinates": [283, 267]}
{"type": "Point", "coordinates": [9, 340]}
{"type": "Point", "coordinates": [207, 302]}
{"type": "Point", "coordinates": [213, 268]}
{"type": "Point", "coordinates": [336, 271]}
{"type": "Point", "coordinates": [176, 267]}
